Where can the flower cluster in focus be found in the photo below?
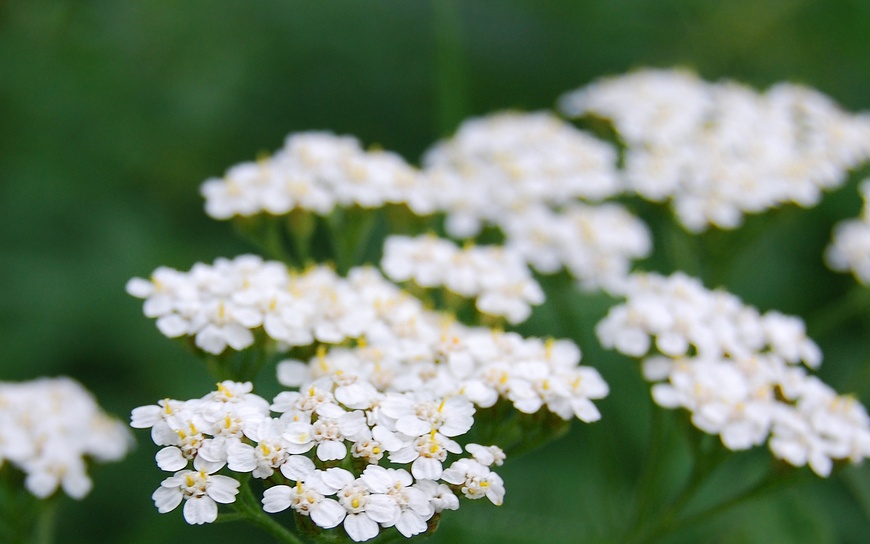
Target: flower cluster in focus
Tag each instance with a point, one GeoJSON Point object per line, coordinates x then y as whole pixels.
{"type": "Point", "coordinates": [324, 456]}
{"type": "Point", "coordinates": [399, 345]}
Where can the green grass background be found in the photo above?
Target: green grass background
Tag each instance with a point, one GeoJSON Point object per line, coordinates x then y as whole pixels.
{"type": "Point", "coordinates": [112, 113]}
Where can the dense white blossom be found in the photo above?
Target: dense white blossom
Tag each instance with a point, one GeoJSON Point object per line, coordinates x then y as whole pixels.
{"type": "Point", "coordinates": [736, 370]}
{"type": "Point", "coordinates": [497, 165]}
{"type": "Point", "coordinates": [314, 171]}
{"type": "Point", "coordinates": [400, 346]}
{"type": "Point", "coordinates": [700, 146]}
{"type": "Point", "coordinates": [536, 178]}
{"type": "Point", "coordinates": [497, 277]}
{"type": "Point", "coordinates": [321, 429]}
{"type": "Point", "coordinates": [49, 427]}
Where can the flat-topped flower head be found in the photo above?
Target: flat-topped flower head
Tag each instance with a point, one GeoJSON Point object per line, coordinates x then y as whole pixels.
{"type": "Point", "coordinates": [313, 172]}
{"type": "Point", "coordinates": [697, 144]}
{"type": "Point", "coordinates": [741, 374]}
{"type": "Point", "coordinates": [505, 162]}
{"type": "Point", "coordinates": [496, 277]}
{"type": "Point", "coordinates": [50, 428]}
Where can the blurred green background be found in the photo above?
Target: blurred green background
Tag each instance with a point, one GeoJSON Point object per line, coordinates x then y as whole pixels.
{"type": "Point", "coordinates": [112, 114]}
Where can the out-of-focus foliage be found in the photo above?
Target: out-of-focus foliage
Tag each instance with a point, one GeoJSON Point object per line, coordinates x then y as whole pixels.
{"type": "Point", "coordinates": [113, 113]}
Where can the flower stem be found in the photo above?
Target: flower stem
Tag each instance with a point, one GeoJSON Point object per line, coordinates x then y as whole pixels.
{"type": "Point", "coordinates": [45, 525]}
{"type": "Point", "coordinates": [854, 303]}
{"type": "Point", "coordinates": [651, 467]}
{"type": "Point", "coordinates": [248, 508]}
{"type": "Point", "coordinates": [671, 520]}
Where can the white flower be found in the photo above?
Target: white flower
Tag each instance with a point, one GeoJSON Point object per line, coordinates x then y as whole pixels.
{"type": "Point", "coordinates": [162, 418]}
{"type": "Point", "coordinates": [744, 381]}
{"type": "Point", "coordinates": [309, 498]}
{"type": "Point", "coordinates": [365, 509]}
{"type": "Point", "coordinates": [440, 496]}
{"type": "Point", "coordinates": [476, 480]}
{"type": "Point", "coordinates": [270, 452]}
{"type": "Point", "coordinates": [414, 504]}
{"type": "Point", "coordinates": [327, 433]}
{"type": "Point", "coordinates": [56, 467]}
{"type": "Point", "coordinates": [201, 490]}
{"type": "Point", "coordinates": [486, 455]}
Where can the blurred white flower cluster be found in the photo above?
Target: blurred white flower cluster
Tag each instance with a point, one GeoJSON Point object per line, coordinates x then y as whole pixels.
{"type": "Point", "coordinates": [314, 171]}
{"type": "Point", "coordinates": [596, 244]}
{"type": "Point", "coordinates": [736, 370]}
{"type": "Point", "coordinates": [324, 456]}
{"type": "Point", "coordinates": [497, 166]}
{"type": "Point", "coordinates": [720, 150]}
{"type": "Point", "coordinates": [524, 173]}
{"type": "Point", "coordinates": [849, 250]}
{"type": "Point", "coordinates": [497, 277]}
{"type": "Point", "coordinates": [50, 428]}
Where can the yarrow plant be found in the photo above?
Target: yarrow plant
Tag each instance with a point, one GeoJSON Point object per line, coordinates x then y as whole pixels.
{"type": "Point", "coordinates": [390, 299]}
{"type": "Point", "coordinates": [51, 430]}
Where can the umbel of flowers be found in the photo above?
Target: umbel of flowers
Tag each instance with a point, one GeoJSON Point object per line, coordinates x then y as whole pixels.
{"type": "Point", "coordinates": [719, 150]}
{"type": "Point", "coordinates": [340, 453]}
{"type": "Point", "coordinates": [50, 428]}
{"type": "Point", "coordinates": [377, 432]}
{"type": "Point", "coordinates": [740, 373]}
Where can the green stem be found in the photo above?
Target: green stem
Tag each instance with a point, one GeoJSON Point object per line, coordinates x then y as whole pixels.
{"type": "Point", "coordinates": [830, 318]}
{"type": "Point", "coordinates": [248, 508]}
{"type": "Point", "coordinates": [336, 223]}
{"type": "Point", "coordinates": [361, 235]}
{"type": "Point", "coordinates": [651, 467]}
{"type": "Point", "coordinates": [772, 482]}
{"type": "Point", "coordinates": [707, 456]}
{"type": "Point", "coordinates": [683, 250]}
{"type": "Point", "coordinates": [264, 232]}
{"type": "Point", "coordinates": [450, 71]}
{"type": "Point", "coordinates": [300, 226]}
{"type": "Point", "coordinates": [670, 520]}
{"type": "Point", "coordinates": [45, 525]}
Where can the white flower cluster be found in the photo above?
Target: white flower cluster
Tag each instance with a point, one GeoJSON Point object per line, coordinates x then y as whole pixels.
{"type": "Point", "coordinates": [596, 244]}
{"type": "Point", "coordinates": [402, 346]}
{"type": "Point", "coordinates": [525, 174]}
{"type": "Point", "coordinates": [497, 165]}
{"type": "Point", "coordinates": [49, 427]}
{"type": "Point", "coordinates": [221, 305]}
{"type": "Point", "coordinates": [323, 455]}
{"type": "Point", "coordinates": [737, 371]}
{"type": "Point", "coordinates": [496, 277]}
{"type": "Point", "coordinates": [314, 171]}
{"type": "Point", "coordinates": [699, 144]}
{"type": "Point", "coordinates": [849, 250]}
